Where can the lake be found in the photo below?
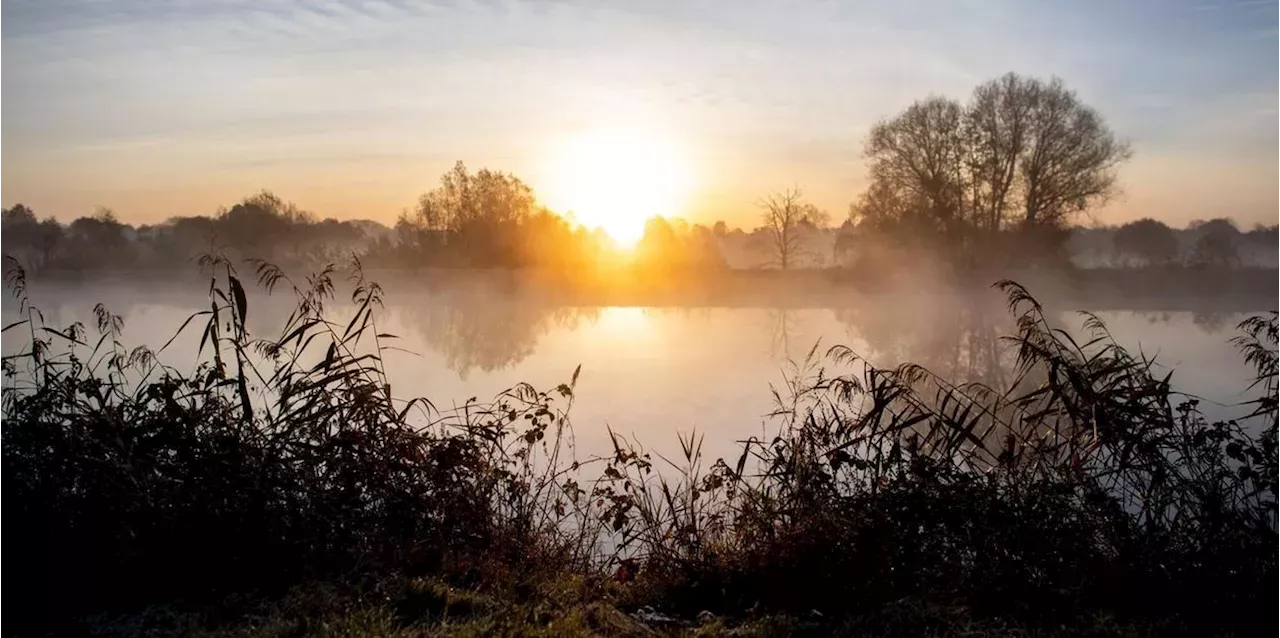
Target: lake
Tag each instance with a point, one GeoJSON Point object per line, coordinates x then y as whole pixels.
{"type": "Point", "coordinates": [650, 372]}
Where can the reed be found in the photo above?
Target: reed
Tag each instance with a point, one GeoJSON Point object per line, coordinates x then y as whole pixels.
{"type": "Point", "coordinates": [1085, 488]}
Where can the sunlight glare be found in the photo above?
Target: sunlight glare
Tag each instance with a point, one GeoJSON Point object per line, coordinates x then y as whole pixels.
{"type": "Point", "coordinates": [624, 327]}
{"type": "Point", "coordinates": [616, 180]}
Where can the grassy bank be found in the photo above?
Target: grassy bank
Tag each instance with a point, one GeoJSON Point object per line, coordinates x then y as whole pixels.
{"type": "Point", "coordinates": [282, 487]}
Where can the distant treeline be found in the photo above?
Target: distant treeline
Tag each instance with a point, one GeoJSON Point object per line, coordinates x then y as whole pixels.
{"type": "Point", "coordinates": [996, 183]}
{"type": "Point", "coordinates": [263, 226]}
{"type": "Point", "coordinates": [1151, 242]}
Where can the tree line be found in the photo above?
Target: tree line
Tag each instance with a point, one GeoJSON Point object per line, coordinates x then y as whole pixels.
{"type": "Point", "coordinates": [262, 225]}
{"type": "Point", "coordinates": [1150, 242]}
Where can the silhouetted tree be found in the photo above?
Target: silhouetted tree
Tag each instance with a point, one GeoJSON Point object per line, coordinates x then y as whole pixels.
{"type": "Point", "coordinates": [1023, 155]}
{"type": "Point", "coordinates": [260, 223]}
{"type": "Point", "coordinates": [180, 239]}
{"type": "Point", "coordinates": [17, 216]}
{"type": "Point", "coordinates": [19, 232]}
{"type": "Point", "coordinates": [470, 219]}
{"type": "Point", "coordinates": [1039, 137]}
{"type": "Point", "coordinates": [1259, 245]}
{"type": "Point", "coordinates": [787, 219]}
{"type": "Point", "coordinates": [48, 240]}
{"type": "Point", "coordinates": [1216, 242]}
{"type": "Point", "coordinates": [547, 240]}
{"type": "Point", "coordinates": [97, 241]}
{"type": "Point", "coordinates": [917, 165]}
{"type": "Point", "coordinates": [1146, 239]}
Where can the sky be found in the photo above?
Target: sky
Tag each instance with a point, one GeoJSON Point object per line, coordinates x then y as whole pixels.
{"type": "Point", "coordinates": [352, 108]}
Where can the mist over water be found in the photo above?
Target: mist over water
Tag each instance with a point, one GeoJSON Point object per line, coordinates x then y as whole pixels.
{"type": "Point", "coordinates": [652, 372]}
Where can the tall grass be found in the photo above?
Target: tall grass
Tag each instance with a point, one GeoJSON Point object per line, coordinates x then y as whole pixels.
{"type": "Point", "coordinates": [1085, 488]}
{"type": "Point", "coordinates": [276, 459]}
{"type": "Point", "coordinates": [1086, 485]}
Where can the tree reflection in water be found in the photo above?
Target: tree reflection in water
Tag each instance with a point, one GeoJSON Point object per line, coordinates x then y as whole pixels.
{"type": "Point", "coordinates": [786, 331]}
{"type": "Point", "coordinates": [475, 328]}
{"type": "Point", "coordinates": [956, 337]}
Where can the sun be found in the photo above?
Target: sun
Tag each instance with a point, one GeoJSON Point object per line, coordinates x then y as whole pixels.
{"type": "Point", "coordinates": [616, 179]}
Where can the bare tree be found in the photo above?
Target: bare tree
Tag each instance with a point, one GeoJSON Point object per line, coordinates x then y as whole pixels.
{"type": "Point", "coordinates": [997, 125]}
{"type": "Point", "coordinates": [1023, 154]}
{"type": "Point", "coordinates": [1069, 161]}
{"type": "Point", "coordinates": [787, 220]}
{"type": "Point", "coordinates": [918, 157]}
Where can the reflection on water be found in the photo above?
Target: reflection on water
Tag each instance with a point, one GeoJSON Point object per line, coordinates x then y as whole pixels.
{"type": "Point", "coordinates": [1214, 321]}
{"type": "Point", "coordinates": [785, 330]}
{"type": "Point", "coordinates": [652, 371]}
{"type": "Point", "coordinates": [957, 339]}
{"type": "Point", "coordinates": [474, 330]}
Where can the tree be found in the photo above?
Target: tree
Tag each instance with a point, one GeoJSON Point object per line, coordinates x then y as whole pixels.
{"type": "Point", "coordinates": [260, 224]}
{"type": "Point", "coordinates": [32, 242]}
{"type": "Point", "coordinates": [97, 241]}
{"type": "Point", "coordinates": [786, 218]}
{"type": "Point", "coordinates": [1216, 242]}
{"type": "Point", "coordinates": [846, 245]}
{"type": "Point", "coordinates": [179, 239]}
{"type": "Point", "coordinates": [18, 215]}
{"type": "Point", "coordinates": [1259, 245]}
{"type": "Point", "coordinates": [1023, 155]}
{"type": "Point", "coordinates": [1147, 240]}
{"type": "Point", "coordinates": [1038, 137]}
{"type": "Point", "coordinates": [917, 165]}
{"type": "Point", "coordinates": [474, 217]}
{"type": "Point", "coordinates": [19, 229]}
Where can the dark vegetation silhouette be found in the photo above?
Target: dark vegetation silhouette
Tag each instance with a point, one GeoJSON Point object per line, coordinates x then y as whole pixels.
{"type": "Point", "coordinates": [1082, 490]}
{"type": "Point", "coordinates": [1146, 241]}
{"type": "Point", "coordinates": [1217, 242]}
{"type": "Point", "coordinates": [992, 181]}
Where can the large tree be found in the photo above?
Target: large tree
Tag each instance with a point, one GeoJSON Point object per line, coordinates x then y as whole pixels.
{"type": "Point", "coordinates": [1024, 155]}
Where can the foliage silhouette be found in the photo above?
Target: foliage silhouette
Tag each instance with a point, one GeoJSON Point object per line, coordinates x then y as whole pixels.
{"type": "Point", "coordinates": [1216, 243]}
{"type": "Point", "coordinates": [1002, 174]}
{"type": "Point", "coordinates": [1082, 486]}
{"type": "Point", "coordinates": [1147, 240]}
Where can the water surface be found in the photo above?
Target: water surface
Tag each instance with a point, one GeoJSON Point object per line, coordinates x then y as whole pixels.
{"type": "Point", "coordinates": [651, 372]}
